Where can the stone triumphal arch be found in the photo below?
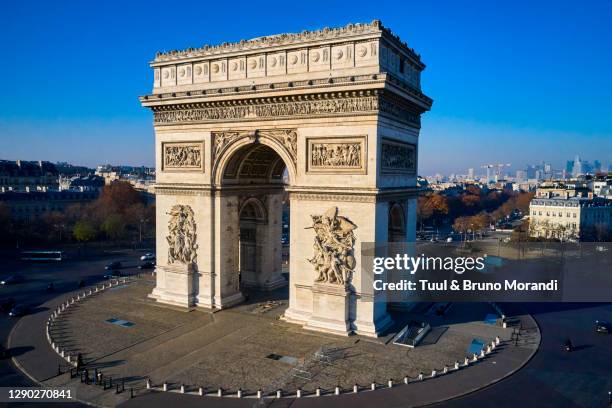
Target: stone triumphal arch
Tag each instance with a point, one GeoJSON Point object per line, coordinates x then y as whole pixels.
{"type": "Point", "coordinates": [327, 119]}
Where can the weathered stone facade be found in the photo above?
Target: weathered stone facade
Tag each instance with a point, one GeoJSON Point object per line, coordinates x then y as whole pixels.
{"type": "Point", "coordinates": [339, 111]}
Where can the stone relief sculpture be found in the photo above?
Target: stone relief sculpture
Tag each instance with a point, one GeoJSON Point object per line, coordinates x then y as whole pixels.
{"type": "Point", "coordinates": [398, 157]}
{"type": "Point", "coordinates": [304, 108]}
{"type": "Point", "coordinates": [181, 235]}
{"type": "Point", "coordinates": [288, 138]}
{"type": "Point", "coordinates": [336, 155]}
{"type": "Point", "coordinates": [182, 155]}
{"type": "Point", "coordinates": [334, 241]}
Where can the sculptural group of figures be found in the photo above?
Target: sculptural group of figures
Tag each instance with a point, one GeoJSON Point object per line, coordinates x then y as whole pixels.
{"type": "Point", "coordinates": [333, 259]}
{"type": "Point", "coordinates": [183, 156]}
{"type": "Point", "coordinates": [181, 235]}
{"type": "Point", "coordinates": [338, 155]}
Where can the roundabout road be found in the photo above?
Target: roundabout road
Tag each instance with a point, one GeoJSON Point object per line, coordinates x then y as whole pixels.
{"type": "Point", "coordinates": [553, 377]}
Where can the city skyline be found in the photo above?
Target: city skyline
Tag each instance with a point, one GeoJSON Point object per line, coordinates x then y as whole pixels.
{"type": "Point", "coordinates": [509, 106]}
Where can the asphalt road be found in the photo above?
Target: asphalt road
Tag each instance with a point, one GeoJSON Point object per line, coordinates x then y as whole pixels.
{"type": "Point", "coordinates": [65, 276]}
{"type": "Point", "coordinates": [554, 377]}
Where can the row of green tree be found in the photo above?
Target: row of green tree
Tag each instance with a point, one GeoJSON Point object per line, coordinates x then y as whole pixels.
{"type": "Point", "coordinates": [120, 213]}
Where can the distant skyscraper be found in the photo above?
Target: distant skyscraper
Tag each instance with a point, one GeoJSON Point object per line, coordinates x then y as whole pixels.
{"type": "Point", "coordinates": [471, 173]}
{"type": "Point", "coordinates": [596, 166]}
{"type": "Point", "coordinates": [521, 176]}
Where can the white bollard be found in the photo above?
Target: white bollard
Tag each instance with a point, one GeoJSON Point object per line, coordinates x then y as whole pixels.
{"type": "Point", "coordinates": [355, 388]}
{"type": "Point", "coordinates": [182, 389]}
{"type": "Point", "coordinates": [488, 349]}
{"type": "Point", "coordinates": [165, 386]}
{"type": "Point", "coordinates": [420, 376]}
{"type": "Point", "coordinates": [456, 365]}
{"type": "Point", "coordinates": [219, 392]}
{"type": "Point", "coordinates": [475, 358]}
{"type": "Point", "coordinates": [493, 345]}
{"type": "Point", "coordinates": [148, 384]}
{"type": "Point", "coordinates": [318, 392]}
{"type": "Point", "coordinates": [406, 380]}
{"type": "Point", "coordinates": [298, 393]}
{"type": "Point", "coordinates": [445, 370]}
{"type": "Point", "coordinates": [279, 393]}
{"type": "Point", "coordinates": [466, 362]}
{"type": "Point", "coordinates": [259, 394]}
{"type": "Point", "coordinates": [62, 353]}
{"type": "Point", "coordinates": [433, 373]}
{"type": "Point", "coordinates": [497, 340]}
{"type": "Point", "coordinates": [373, 386]}
{"type": "Point", "coordinates": [337, 390]}
{"type": "Point", "coordinates": [200, 391]}
{"type": "Point", "coordinates": [390, 383]}
{"type": "Point", "coordinates": [482, 353]}
{"type": "Point", "coordinates": [239, 393]}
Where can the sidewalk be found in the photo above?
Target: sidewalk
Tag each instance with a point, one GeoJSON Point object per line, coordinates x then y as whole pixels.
{"type": "Point", "coordinates": [506, 360]}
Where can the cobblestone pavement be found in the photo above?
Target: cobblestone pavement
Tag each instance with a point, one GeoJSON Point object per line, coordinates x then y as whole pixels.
{"type": "Point", "coordinates": [248, 347]}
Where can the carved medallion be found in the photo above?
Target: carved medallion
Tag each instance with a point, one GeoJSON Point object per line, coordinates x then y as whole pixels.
{"type": "Point", "coordinates": [398, 157]}
{"type": "Point", "coordinates": [334, 259]}
{"type": "Point", "coordinates": [183, 156]}
{"type": "Point", "coordinates": [181, 236]}
{"type": "Point", "coordinates": [336, 155]}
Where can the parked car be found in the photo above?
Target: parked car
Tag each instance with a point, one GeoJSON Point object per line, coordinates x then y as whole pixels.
{"type": "Point", "coordinates": [603, 327]}
{"type": "Point", "coordinates": [113, 265]}
{"type": "Point", "coordinates": [12, 279]}
{"type": "Point", "coordinates": [115, 273]}
{"type": "Point", "coordinates": [19, 310]}
{"type": "Point", "coordinates": [147, 265]}
{"type": "Point", "coordinates": [6, 304]}
{"type": "Point", "coordinates": [148, 257]}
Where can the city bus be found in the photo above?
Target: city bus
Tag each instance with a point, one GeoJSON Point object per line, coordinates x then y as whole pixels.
{"type": "Point", "coordinates": [42, 255]}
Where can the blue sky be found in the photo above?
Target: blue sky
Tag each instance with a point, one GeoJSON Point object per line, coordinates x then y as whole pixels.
{"type": "Point", "coordinates": [517, 81]}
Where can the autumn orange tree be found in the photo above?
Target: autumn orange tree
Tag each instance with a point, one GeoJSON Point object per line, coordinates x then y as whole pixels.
{"type": "Point", "coordinates": [431, 207]}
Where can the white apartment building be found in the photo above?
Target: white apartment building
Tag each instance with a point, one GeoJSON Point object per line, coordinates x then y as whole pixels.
{"type": "Point", "coordinates": [573, 218]}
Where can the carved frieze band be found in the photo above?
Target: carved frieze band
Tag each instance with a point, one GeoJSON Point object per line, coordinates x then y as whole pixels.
{"type": "Point", "coordinates": [334, 197]}
{"type": "Point", "coordinates": [183, 156]}
{"type": "Point", "coordinates": [269, 110]}
{"type": "Point", "coordinates": [180, 190]}
{"type": "Point", "coordinates": [336, 155]}
{"type": "Point", "coordinates": [398, 157]}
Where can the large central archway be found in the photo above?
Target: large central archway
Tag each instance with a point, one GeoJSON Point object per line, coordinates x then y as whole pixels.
{"type": "Point", "coordinates": [252, 177]}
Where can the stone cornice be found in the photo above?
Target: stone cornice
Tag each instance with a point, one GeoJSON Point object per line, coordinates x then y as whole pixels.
{"type": "Point", "coordinates": [284, 86]}
{"type": "Point", "coordinates": [296, 39]}
{"type": "Point", "coordinates": [324, 104]}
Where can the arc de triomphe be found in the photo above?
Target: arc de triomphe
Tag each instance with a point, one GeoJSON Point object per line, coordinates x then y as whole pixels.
{"type": "Point", "coordinates": [329, 119]}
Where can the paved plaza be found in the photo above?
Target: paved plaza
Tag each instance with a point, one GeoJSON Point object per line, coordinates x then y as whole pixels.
{"type": "Point", "coordinates": [248, 347]}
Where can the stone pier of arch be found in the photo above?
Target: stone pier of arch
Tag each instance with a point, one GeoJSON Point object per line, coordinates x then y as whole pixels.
{"type": "Point", "coordinates": [327, 119]}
